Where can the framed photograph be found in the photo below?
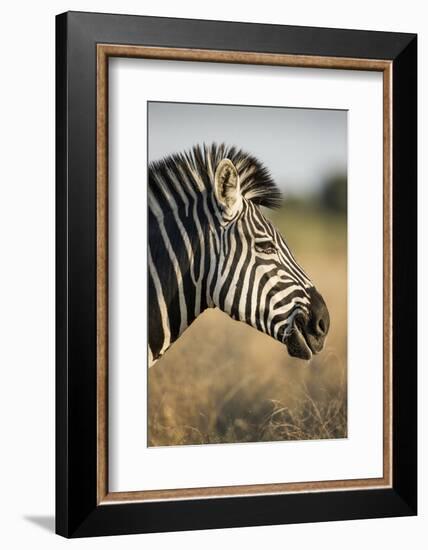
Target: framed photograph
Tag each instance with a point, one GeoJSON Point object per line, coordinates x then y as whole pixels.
{"type": "Point", "coordinates": [236, 274]}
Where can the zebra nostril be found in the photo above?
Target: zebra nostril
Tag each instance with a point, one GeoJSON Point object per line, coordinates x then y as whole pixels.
{"type": "Point", "coordinates": [321, 326]}
{"type": "Point", "coordinates": [320, 318]}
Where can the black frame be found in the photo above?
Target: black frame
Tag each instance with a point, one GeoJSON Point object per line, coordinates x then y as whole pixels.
{"type": "Point", "coordinates": [77, 513]}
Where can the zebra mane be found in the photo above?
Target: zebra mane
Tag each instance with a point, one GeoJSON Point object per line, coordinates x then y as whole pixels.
{"type": "Point", "coordinates": [256, 182]}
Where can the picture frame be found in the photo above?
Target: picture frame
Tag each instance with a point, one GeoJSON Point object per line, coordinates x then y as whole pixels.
{"type": "Point", "coordinates": [84, 44]}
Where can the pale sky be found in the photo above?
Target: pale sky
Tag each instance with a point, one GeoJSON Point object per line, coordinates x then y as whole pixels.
{"type": "Point", "coordinates": [300, 147]}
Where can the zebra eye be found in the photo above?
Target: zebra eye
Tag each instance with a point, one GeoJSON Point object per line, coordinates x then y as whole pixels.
{"type": "Point", "coordinates": [265, 247]}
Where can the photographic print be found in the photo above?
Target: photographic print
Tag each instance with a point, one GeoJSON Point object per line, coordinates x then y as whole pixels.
{"type": "Point", "coordinates": [247, 274]}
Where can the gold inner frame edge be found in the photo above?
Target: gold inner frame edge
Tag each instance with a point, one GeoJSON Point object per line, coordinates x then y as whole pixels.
{"type": "Point", "coordinates": [104, 51]}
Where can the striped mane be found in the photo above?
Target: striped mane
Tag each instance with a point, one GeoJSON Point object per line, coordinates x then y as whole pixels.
{"type": "Point", "coordinates": [200, 163]}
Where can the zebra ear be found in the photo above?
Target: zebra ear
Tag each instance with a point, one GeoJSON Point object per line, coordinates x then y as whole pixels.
{"type": "Point", "coordinates": [227, 188]}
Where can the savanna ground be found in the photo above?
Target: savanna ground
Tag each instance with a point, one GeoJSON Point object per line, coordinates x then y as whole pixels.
{"type": "Point", "coordinates": [225, 382]}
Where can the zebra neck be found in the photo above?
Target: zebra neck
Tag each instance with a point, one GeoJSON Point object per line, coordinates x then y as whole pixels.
{"type": "Point", "coordinates": [180, 270]}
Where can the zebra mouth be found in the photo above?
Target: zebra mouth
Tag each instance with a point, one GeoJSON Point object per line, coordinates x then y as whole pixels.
{"type": "Point", "coordinates": [297, 341]}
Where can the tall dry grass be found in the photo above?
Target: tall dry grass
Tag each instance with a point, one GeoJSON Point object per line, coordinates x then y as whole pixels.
{"type": "Point", "coordinates": [225, 382]}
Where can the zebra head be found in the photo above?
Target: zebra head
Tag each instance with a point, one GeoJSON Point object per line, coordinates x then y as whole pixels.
{"type": "Point", "coordinates": [257, 279]}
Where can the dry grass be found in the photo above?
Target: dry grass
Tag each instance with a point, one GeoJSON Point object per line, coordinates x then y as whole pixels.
{"type": "Point", "coordinates": [225, 382]}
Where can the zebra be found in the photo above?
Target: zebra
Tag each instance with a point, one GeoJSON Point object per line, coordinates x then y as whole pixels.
{"type": "Point", "coordinates": [210, 245]}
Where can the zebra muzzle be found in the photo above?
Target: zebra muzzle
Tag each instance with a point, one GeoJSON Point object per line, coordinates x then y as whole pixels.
{"type": "Point", "coordinates": [308, 333]}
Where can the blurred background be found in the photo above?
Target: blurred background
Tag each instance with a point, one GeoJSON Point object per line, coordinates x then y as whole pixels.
{"type": "Point", "coordinates": [223, 381]}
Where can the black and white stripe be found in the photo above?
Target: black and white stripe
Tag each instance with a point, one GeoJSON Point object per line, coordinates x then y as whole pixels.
{"type": "Point", "coordinates": [211, 246]}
